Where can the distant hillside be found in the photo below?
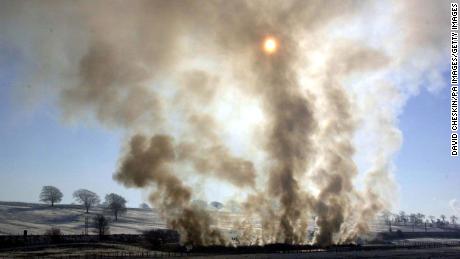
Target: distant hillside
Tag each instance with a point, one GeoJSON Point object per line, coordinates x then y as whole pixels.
{"type": "Point", "coordinates": [15, 217]}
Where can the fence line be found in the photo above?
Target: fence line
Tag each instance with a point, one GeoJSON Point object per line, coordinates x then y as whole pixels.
{"type": "Point", "coordinates": [300, 250]}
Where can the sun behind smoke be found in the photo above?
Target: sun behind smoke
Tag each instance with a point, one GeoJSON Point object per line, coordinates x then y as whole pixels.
{"type": "Point", "coordinates": [270, 45]}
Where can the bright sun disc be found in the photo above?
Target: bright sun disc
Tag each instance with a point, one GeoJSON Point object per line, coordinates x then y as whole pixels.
{"type": "Point", "coordinates": [270, 45]}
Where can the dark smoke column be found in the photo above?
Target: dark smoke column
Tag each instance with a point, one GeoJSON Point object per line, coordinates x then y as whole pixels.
{"type": "Point", "coordinates": [148, 163]}
{"type": "Point", "coordinates": [291, 124]}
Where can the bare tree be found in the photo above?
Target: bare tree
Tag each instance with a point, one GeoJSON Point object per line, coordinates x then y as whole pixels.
{"type": "Point", "coordinates": [86, 198]}
{"type": "Point", "coordinates": [403, 217]}
{"type": "Point", "coordinates": [50, 195]}
{"type": "Point", "coordinates": [443, 218]}
{"type": "Point", "coordinates": [432, 218]}
{"type": "Point", "coordinates": [101, 225]}
{"type": "Point", "coordinates": [413, 220]}
{"type": "Point", "coordinates": [453, 219]}
{"type": "Point", "coordinates": [386, 215]}
{"type": "Point", "coordinates": [115, 204]}
{"type": "Point", "coordinates": [420, 218]}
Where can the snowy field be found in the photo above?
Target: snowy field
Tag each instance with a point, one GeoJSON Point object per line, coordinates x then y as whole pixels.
{"type": "Point", "coordinates": [15, 217]}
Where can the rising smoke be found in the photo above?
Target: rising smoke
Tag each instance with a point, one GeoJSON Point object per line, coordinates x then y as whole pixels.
{"type": "Point", "coordinates": [163, 71]}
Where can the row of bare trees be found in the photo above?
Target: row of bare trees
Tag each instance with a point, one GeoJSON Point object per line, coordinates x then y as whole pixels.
{"type": "Point", "coordinates": [114, 203]}
{"type": "Point", "coordinates": [414, 219]}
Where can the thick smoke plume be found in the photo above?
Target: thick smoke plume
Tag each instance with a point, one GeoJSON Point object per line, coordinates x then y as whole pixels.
{"type": "Point", "coordinates": [149, 162]}
{"type": "Point", "coordinates": [197, 97]}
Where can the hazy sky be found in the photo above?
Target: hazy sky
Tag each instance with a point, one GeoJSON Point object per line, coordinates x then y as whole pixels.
{"type": "Point", "coordinates": [37, 148]}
